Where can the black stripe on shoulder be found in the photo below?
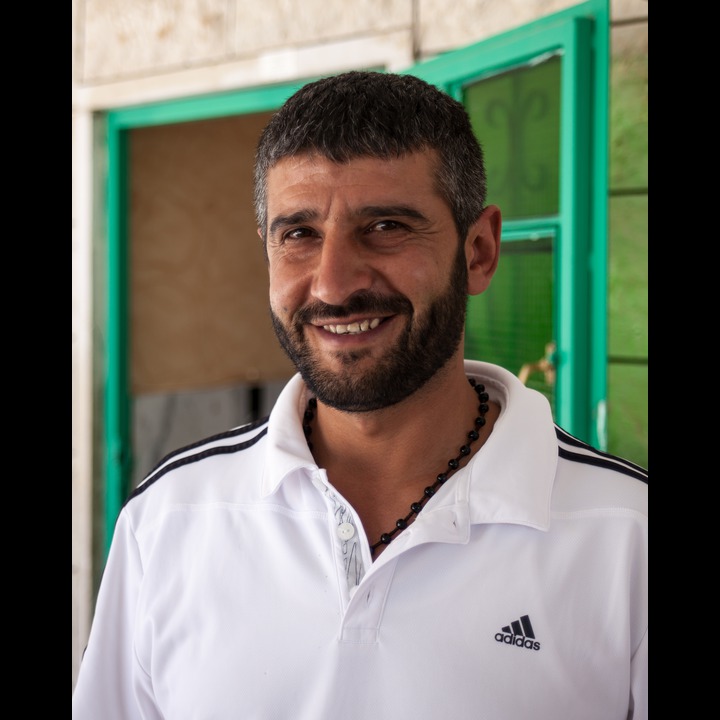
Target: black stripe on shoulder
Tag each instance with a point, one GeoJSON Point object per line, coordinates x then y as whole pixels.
{"type": "Point", "coordinates": [202, 454]}
{"type": "Point", "coordinates": [235, 432]}
{"type": "Point", "coordinates": [596, 457]}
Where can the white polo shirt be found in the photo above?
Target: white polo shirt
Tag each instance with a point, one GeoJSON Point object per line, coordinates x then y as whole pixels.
{"type": "Point", "coordinates": [239, 585]}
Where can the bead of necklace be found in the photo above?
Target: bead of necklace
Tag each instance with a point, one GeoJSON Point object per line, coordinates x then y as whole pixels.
{"type": "Point", "coordinates": [452, 465]}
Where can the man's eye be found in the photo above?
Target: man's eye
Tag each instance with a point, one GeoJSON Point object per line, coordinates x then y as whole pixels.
{"type": "Point", "coordinates": [298, 234]}
{"type": "Point", "coordinates": [386, 226]}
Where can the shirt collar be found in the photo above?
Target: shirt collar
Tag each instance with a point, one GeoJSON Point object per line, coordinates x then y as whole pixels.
{"type": "Point", "coordinates": [509, 480]}
{"type": "Point", "coordinates": [287, 449]}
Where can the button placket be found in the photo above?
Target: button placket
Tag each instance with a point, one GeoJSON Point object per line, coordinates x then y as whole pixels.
{"type": "Point", "coordinates": [347, 535]}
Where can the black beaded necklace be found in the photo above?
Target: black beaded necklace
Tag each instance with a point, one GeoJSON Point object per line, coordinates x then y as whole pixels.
{"type": "Point", "coordinates": [430, 490]}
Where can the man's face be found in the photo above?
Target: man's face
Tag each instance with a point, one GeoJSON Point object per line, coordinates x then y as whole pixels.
{"type": "Point", "coordinates": [368, 281]}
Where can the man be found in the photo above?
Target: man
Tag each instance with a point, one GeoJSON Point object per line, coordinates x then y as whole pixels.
{"type": "Point", "coordinates": [409, 534]}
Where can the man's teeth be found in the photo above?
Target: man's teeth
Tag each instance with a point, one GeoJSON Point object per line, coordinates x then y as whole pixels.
{"type": "Point", "coordinates": [353, 328]}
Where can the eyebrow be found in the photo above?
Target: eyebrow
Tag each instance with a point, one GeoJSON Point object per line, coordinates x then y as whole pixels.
{"type": "Point", "coordinates": [296, 218]}
{"type": "Point", "coordinates": [373, 211]}
{"type": "Point", "coordinates": [392, 211]}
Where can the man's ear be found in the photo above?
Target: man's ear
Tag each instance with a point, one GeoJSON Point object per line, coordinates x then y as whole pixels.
{"type": "Point", "coordinates": [264, 244]}
{"type": "Point", "coordinates": [482, 249]}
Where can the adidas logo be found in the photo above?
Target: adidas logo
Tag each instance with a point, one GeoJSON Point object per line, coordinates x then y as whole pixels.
{"type": "Point", "coordinates": [520, 633]}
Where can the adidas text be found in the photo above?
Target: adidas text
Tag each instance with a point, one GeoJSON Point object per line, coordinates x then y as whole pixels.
{"type": "Point", "coordinates": [517, 640]}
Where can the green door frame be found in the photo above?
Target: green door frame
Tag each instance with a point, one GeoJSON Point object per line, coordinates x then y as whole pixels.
{"type": "Point", "coordinates": [581, 33]}
{"type": "Point", "coordinates": [117, 390]}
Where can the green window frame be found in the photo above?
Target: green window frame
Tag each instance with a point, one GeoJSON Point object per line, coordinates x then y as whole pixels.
{"type": "Point", "coordinates": [580, 34]}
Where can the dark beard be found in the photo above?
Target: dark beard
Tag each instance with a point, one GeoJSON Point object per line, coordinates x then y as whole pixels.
{"type": "Point", "coordinates": [426, 344]}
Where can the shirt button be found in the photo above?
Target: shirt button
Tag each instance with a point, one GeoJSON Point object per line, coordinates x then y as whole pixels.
{"type": "Point", "coordinates": [345, 531]}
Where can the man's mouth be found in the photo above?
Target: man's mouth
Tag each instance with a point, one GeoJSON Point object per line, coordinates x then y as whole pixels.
{"type": "Point", "coordinates": [354, 328]}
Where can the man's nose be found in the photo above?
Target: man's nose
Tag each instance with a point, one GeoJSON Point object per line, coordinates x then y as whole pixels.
{"type": "Point", "coordinates": [342, 269]}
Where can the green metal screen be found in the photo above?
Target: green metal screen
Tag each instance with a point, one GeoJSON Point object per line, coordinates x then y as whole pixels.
{"type": "Point", "coordinates": [512, 322]}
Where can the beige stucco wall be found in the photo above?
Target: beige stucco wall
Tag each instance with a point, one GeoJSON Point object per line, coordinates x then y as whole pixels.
{"type": "Point", "coordinates": [128, 52]}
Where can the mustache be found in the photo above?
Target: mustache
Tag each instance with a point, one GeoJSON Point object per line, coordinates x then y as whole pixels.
{"type": "Point", "coordinates": [363, 302]}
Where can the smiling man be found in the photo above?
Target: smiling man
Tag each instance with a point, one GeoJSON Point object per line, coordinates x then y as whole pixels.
{"type": "Point", "coordinates": [366, 257]}
{"type": "Point", "coordinates": [409, 532]}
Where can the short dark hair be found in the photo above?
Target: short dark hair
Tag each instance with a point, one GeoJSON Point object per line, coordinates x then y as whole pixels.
{"type": "Point", "coordinates": [382, 115]}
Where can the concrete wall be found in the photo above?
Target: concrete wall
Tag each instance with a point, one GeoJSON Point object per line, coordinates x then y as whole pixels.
{"type": "Point", "coordinates": [127, 52]}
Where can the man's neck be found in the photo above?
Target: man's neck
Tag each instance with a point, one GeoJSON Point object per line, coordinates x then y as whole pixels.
{"type": "Point", "coordinates": [381, 461]}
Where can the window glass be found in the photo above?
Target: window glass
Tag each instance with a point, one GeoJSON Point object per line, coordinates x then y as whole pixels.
{"type": "Point", "coordinates": [516, 116]}
{"type": "Point", "coordinates": [627, 412]}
